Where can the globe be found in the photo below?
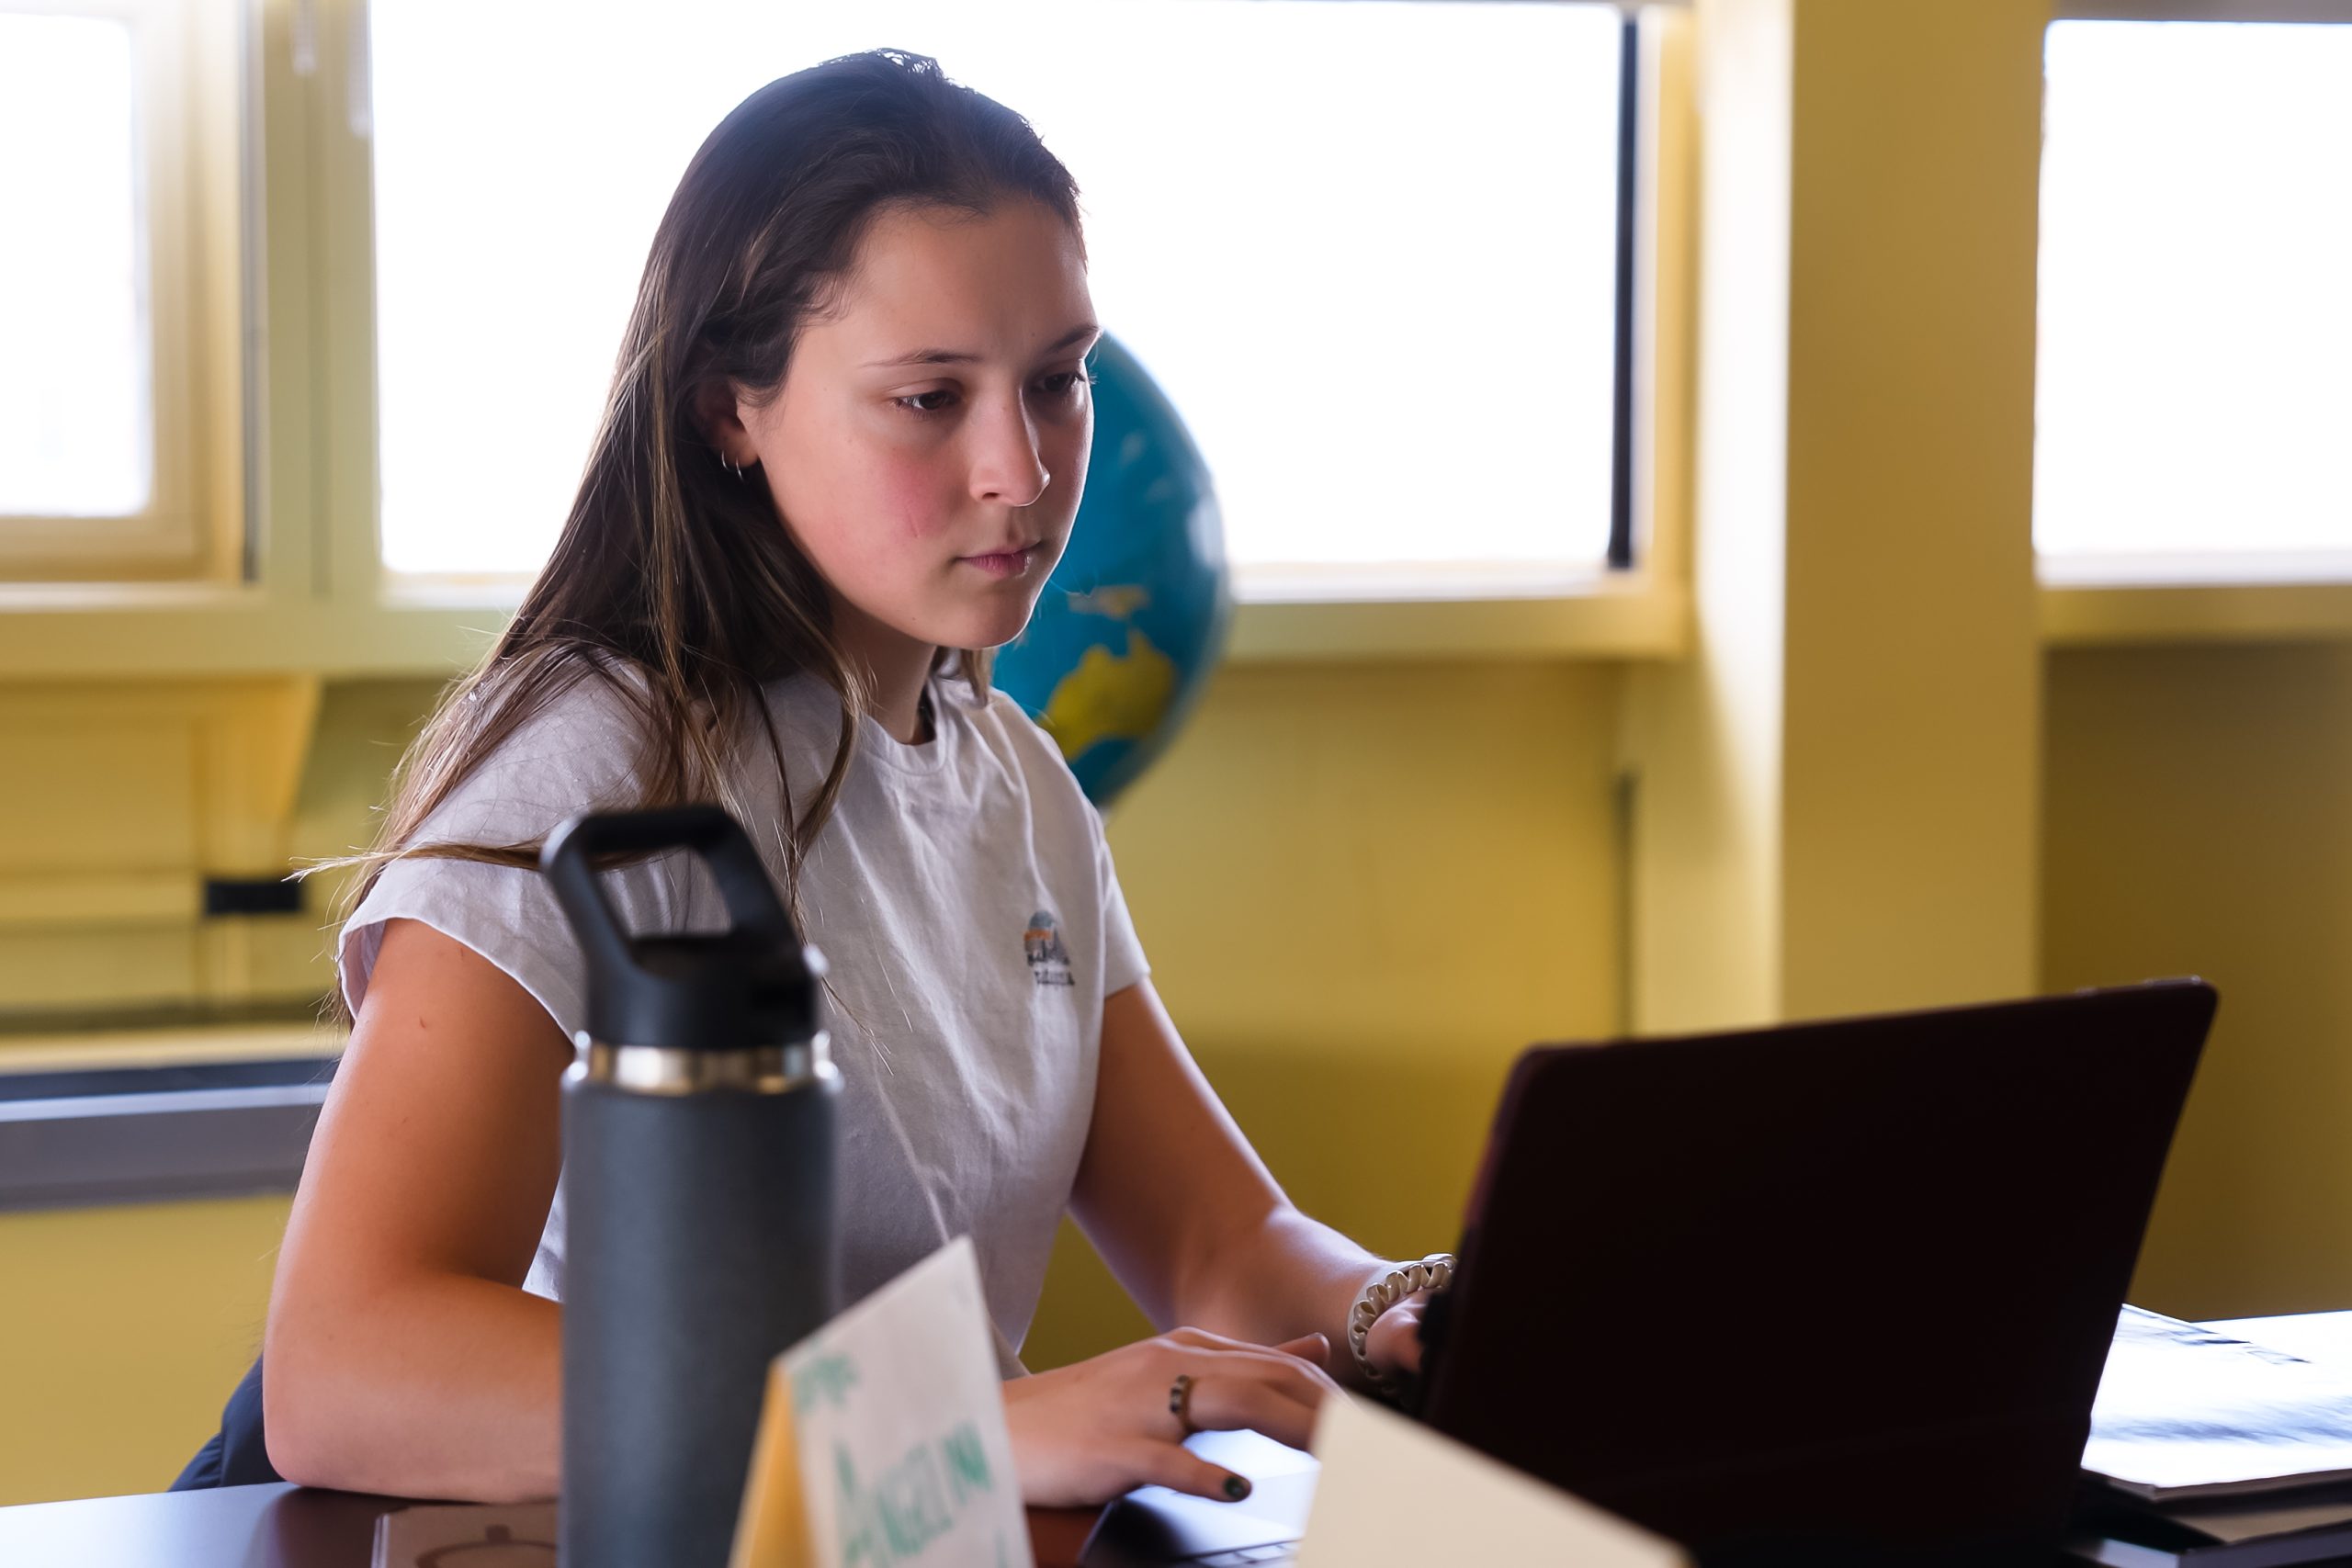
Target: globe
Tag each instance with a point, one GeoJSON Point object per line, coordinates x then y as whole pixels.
{"type": "Point", "coordinates": [1134, 616]}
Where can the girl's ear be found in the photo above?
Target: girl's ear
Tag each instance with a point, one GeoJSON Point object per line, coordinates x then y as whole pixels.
{"type": "Point", "coordinates": [721, 426]}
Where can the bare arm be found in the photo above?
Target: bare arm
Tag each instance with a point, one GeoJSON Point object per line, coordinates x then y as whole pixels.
{"type": "Point", "coordinates": [1178, 1203]}
{"type": "Point", "coordinates": [403, 1354]}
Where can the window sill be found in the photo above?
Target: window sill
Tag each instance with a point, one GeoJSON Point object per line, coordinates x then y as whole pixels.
{"type": "Point", "coordinates": [1613, 617]}
{"type": "Point", "coordinates": [195, 1045]}
{"type": "Point", "coordinates": [2105, 614]}
{"type": "Point", "coordinates": [140, 631]}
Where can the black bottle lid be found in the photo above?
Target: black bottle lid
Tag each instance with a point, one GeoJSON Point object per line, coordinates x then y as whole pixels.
{"type": "Point", "coordinates": [752, 985]}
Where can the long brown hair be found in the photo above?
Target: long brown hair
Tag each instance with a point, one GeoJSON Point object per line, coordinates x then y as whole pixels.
{"type": "Point", "coordinates": [674, 581]}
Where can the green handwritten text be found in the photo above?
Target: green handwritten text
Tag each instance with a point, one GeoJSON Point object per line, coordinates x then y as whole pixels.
{"type": "Point", "coordinates": [911, 1504]}
{"type": "Point", "coordinates": [825, 1381]}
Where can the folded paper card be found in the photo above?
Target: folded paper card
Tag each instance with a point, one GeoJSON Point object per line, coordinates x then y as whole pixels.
{"type": "Point", "coordinates": [882, 1440]}
{"type": "Point", "coordinates": [1385, 1478]}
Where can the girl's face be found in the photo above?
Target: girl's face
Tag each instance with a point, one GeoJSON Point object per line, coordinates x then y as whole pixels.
{"type": "Point", "coordinates": [927, 446]}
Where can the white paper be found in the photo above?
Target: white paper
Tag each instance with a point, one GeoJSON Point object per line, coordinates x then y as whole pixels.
{"type": "Point", "coordinates": [1386, 1478]}
{"type": "Point", "coordinates": [2186, 1412]}
{"type": "Point", "coordinates": [897, 1435]}
{"type": "Point", "coordinates": [2325, 1337]}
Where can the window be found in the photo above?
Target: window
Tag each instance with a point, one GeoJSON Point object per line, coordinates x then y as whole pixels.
{"type": "Point", "coordinates": [75, 421]}
{"type": "Point", "coordinates": [2195, 378]}
{"type": "Point", "coordinates": [1370, 251]}
{"type": "Point", "coordinates": [120, 398]}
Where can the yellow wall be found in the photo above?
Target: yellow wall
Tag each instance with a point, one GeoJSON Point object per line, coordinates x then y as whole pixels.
{"type": "Point", "coordinates": [1837, 799]}
{"type": "Point", "coordinates": [1363, 891]}
{"type": "Point", "coordinates": [121, 1332]}
{"type": "Point", "coordinates": [2200, 821]}
{"type": "Point", "coordinates": [123, 797]}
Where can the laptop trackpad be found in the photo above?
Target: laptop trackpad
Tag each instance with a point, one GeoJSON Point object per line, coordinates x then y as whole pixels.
{"type": "Point", "coordinates": [1152, 1525]}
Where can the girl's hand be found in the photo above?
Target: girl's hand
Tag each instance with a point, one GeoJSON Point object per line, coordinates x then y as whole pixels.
{"type": "Point", "coordinates": [1083, 1434]}
{"type": "Point", "coordinates": [1393, 1344]}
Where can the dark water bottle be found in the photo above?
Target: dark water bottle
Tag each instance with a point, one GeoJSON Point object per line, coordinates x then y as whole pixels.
{"type": "Point", "coordinates": [702, 1225]}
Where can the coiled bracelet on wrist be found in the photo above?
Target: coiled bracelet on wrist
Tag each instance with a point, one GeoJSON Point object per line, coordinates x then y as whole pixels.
{"type": "Point", "coordinates": [1431, 1273]}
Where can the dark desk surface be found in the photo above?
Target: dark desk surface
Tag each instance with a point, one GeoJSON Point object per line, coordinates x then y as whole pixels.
{"type": "Point", "coordinates": [285, 1527]}
{"type": "Point", "coordinates": [291, 1527]}
{"type": "Point", "coordinates": [294, 1527]}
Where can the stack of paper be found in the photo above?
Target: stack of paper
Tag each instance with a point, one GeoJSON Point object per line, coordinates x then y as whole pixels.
{"type": "Point", "coordinates": [2219, 1452]}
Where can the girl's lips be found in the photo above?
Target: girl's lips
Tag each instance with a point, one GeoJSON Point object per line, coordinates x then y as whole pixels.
{"type": "Point", "coordinates": [1011, 563]}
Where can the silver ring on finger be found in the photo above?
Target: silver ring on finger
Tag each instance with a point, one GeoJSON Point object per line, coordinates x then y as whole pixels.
{"type": "Point", "coordinates": [1179, 1402]}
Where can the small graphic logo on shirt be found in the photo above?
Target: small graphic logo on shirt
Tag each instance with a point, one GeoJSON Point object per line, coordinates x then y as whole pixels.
{"type": "Point", "coordinates": [1048, 959]}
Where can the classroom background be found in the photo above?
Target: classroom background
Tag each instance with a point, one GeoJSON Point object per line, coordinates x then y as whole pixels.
{"type": "Point", "coordinates": [1832, 735]}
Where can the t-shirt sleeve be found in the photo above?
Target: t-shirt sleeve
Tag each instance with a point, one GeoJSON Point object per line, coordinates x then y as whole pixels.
{"type": "Point", "coordinates": [1123, 957]}
{"type": "Point", "coordinates": [572, 757]}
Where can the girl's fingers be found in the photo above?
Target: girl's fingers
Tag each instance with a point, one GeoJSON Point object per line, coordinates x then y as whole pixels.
{"type": "Point", "coordinates": [1182, 1470]}
{"type": "Point", "coordinates": [1226, 1403]}
{"type": "Point", "coordinates": [1297, 1362]}
{"type": "Point", "coordinates": [1299, 1379]}
{"type": "Point", "coordinates": [1313, 1348]}
{"type": "Point", "coordinates": [1309, 1346]}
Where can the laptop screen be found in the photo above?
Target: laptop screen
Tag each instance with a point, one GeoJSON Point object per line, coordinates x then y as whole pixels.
{"type": "Point", "coordinates": [1823, 1288]}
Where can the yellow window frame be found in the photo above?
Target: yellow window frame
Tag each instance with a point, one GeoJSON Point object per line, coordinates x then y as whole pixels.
{"type": "Point", "coordinates": [189, 87]}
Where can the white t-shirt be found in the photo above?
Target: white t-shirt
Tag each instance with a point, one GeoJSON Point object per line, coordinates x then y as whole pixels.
{"type": "Point", "coordinates": [962, 894]}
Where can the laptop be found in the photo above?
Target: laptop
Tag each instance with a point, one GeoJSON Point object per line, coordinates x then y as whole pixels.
{"type": "Point", "coordinates": [1826, 1294]}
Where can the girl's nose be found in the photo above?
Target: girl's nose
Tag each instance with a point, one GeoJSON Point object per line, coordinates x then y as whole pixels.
{"type": "Point", "coordinates": [1007, 468]}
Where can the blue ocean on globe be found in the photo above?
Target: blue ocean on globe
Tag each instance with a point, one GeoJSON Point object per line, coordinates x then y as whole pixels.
{"type": "Point", "coordinates": [1134, 618]}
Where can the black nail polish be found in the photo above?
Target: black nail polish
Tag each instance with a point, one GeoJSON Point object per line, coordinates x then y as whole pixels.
{"type": "Point", "coordinates": [1236, 1487]}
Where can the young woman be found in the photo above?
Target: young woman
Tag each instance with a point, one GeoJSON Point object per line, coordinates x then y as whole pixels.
{"type": "Point", "coordinates": [845, 445]}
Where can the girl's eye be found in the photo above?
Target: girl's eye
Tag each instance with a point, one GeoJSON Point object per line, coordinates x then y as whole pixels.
{"type": "Point", "coordinates": [1066, 385]}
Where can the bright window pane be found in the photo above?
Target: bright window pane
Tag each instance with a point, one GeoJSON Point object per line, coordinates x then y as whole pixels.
{"type": "Point", "coordinates": [73, 328]}
{"type": "Point", "coordinates": [1367, 248]}
{"type": "Point", "coordinates": [2196, 357]}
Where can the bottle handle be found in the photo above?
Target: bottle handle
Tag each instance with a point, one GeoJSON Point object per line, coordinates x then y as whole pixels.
{"type": "Point", "coordinates": [754, 909]}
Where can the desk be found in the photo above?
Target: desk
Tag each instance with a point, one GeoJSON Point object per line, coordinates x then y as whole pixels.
{"type": "Point", "coordinates": [285, 1527]}
{"type": "Point", "coordinates": [292, 1527]}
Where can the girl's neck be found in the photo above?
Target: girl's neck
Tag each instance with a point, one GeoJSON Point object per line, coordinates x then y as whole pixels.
{"type": "Point", "coordinates": [897, 665]}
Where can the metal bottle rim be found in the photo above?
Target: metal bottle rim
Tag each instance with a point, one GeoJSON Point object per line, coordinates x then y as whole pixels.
{"type": "Point", "coordinates": [668, 1070]}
